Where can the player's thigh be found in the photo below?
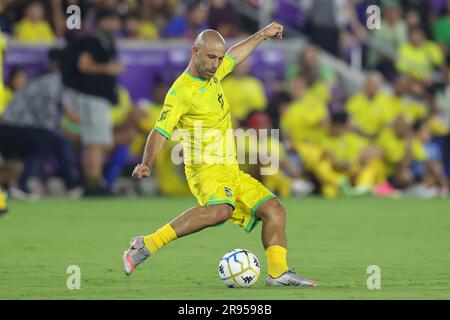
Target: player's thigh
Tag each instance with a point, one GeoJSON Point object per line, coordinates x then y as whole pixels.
{"type": "Point", "coordinates": [252, 194]}
{"type": "Point", "coordinates": [215, 184]}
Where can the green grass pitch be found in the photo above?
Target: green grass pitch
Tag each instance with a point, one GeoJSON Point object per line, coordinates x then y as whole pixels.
{"type": "Point", "coordinates": [330, 241]}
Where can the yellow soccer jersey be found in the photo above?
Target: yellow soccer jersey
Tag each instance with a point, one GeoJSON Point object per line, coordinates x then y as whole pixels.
{"type": "Point", "coordinates": [419, 62]}
{"type": "Point", "coordinates": [302, 121]}
{"type": "Point", "coordinates": [244, 94]}
{"type": "Point", "coordinates": [412, 110]}
{"type": "Point", "coordinates": [200, 111]}
{"type": "Point", "coordinates": [120, 112]}
{"type": "Point", "coordinates": [347, 147]}
{"type": "Point", "coordinates": [147, 123]}
{"type": "Point", "coordinates": [39, 32]}
{"type": "Point", "coordinates": [394, 149]}
{"type": "Point", "coordinates": [367, 114]}
{"type": "Point", "coordinates": [171, 180]}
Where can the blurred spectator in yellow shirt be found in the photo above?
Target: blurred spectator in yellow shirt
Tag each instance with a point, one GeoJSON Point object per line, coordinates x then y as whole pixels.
{"type": "Point", "coordinates": [419, 57]}
{"type": "Point", "coordinates": [353, 156]}
{"type": "Point", "coordinates": [401, 103]}
{"type": "Point", "coordinates": [171, 179]}
{"type": "Point", "coordinates": [244, 92]}
{"type": "Point", "coordinates": [306, 116]}
{"type": "Point", "coordinates": [152, 109]}
{"type": "Point", "coordinates": [319, 77]}
{"type": "Point", "coordinates": [288, 180]}
{"type": "Point", "coordinates": [366, 107]}
{"type": "Point", "coordinates": [135, 28]}
{"type": "Point", "coordinates": [33, 28]}
{"type": "Point", "coordinates": [401, 149]}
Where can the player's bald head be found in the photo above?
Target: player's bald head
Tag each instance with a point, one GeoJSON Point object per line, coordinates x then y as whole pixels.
{"type": "Point", "coordinates": [209, 39]}
{"type": "Point", "coordinates": [208, 52]}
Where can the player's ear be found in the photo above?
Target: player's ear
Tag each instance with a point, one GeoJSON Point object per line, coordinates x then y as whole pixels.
{"type": "Point", "coordinates": [195, 51]}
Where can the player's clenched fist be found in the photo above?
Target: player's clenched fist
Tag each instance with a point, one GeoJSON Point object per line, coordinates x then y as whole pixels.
{"type": "Point", "coordinates": [273, 30]}
{"type": "Point", "coordinates": [141, 171]}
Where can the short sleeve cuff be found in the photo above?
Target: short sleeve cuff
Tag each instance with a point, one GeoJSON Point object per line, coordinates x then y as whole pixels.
{"type": "Point", "coordinates": [163, 132]}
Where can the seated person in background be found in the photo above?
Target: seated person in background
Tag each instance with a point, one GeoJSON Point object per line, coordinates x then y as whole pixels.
{"type": "Point", "coordinates": [29, 129]}
{"type": "Point", "coordinates": [401, 103]}
{"type": "Point", "coordinates": [365, 108]}
{"type": "Point", "coordinates": [151, 111]}
{"type": "Point", "coordinates": [288, 179]}
{"type": "Point", "coordinates": [319, 77]}
{"type": "Point", "coordinates": [33, 28]}
{"type": "Point", "coordinates": [430, 173]}
{"type": "Point", "coordinates": [171, 177]}
{"type": "Point", "coordinates": [401, 148]}
{"type": "Point", "coordinates": [135, 28]}
{"type": "Point", "coordinates": [306, 116]}
{"type": "Point", "coordinates": [419, 57]}
{"type": "Point", "coordinates": [17, 80]}
{"type": "Point", "coordinates": [244, 92]}
{"type": "Point", "coordinates": [125, 118]}
{"type": "Point", "coordinates": [353, 156]}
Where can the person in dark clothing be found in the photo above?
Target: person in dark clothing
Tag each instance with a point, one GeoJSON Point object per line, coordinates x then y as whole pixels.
{"type": "Point", "coordinates": [90, 72]}
{"type": "Point", "coordinates": [29, 128]}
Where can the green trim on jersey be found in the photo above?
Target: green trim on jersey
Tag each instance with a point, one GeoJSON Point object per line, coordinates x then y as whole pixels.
{"type": "Point", "coordinates": [231, 203]}
{"type": "Point", "coordinates": [163, 132]}
{"type": "Point", "coordinates": [253, 222]}
{"type": "Point", "coordinates": [195, 78]}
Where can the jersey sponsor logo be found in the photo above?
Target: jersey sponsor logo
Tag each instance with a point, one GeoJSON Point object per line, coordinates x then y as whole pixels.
{"type": "Point", "coordinates": [168, 105]}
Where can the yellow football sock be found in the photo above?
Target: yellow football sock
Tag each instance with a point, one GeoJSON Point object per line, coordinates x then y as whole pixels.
{"type": "Point", "coordinates": [160, 238]}
{"type": "Point", "coordinates": [276, 260]}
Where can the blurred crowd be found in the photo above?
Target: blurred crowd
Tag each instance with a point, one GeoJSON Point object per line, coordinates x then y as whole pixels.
{"type": "Point", "coordinates": [44, 21]}
{"type": "Point", "coordinates": [391, 138]}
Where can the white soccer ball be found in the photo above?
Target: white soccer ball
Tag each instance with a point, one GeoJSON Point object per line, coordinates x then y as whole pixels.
{"type": "Point", "coordinates": [239, 268]}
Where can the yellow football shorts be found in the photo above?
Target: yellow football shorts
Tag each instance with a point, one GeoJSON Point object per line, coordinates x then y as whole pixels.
{"type": "Point", "coordinates": [220, 183]}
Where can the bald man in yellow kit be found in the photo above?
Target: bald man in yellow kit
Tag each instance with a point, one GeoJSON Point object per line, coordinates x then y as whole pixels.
{"type": "Point", "coordinates": [223, 191]}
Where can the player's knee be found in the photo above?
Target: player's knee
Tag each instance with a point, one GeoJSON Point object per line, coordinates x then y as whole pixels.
{"type": "Point", "coordinates": [221, 213]}
{"type": "Point", "coordinates": [274, 211]}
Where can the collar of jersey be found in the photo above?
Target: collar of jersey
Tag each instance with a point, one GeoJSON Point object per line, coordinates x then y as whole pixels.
{"type": "Point", "coordinates": [195, 78]}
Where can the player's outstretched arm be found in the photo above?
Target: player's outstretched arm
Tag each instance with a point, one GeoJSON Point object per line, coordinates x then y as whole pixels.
{"type": "Point", "coordinates": [243, 49]}
{"type": "Point", "coordinates": [155, 142]}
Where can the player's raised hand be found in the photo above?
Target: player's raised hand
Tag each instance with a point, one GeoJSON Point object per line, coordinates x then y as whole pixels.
{"type": "Point", "coordinates": [273, 30]}
{"type": "Point", "coordinates": [141, 171]}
